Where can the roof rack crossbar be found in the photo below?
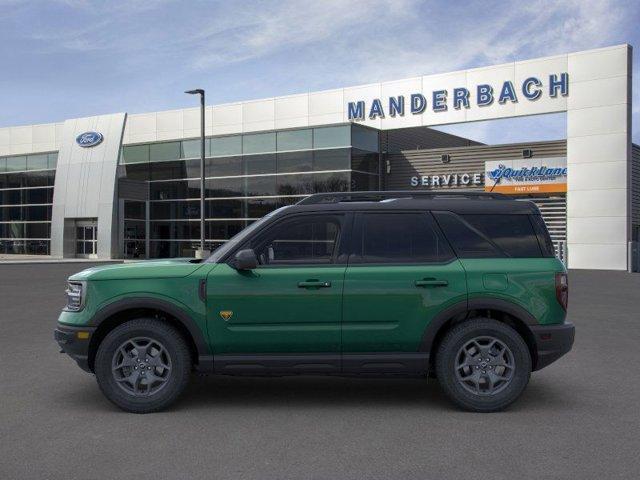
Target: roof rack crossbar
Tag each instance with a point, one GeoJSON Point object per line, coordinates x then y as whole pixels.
{"type": "Point", "coordinates": [393, 194]}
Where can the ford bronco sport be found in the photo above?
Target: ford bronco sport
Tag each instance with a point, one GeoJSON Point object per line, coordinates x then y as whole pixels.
{"type": "Point", "coordinates": [463, 287]}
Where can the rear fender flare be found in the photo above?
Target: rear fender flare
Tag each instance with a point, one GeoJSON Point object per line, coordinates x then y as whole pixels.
{"type": "Point", "coordinates": [463, 308]}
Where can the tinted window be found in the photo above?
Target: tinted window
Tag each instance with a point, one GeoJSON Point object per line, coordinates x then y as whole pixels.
{"type": "Point", "coordinates": [160, 152]}
{"type": "Point", "coordinates": [223, 146]}
{"type": "Point", "coordinates": [483, 236]}
{"type": "Point", "coordinates": [331, 160]}
{"type": "Point", "coordinates": [37, 162]}
{"type": "Point", "coordinates": [364, 138]}
{"type": "Point", "coordinates": [295, 140]}
{"type": "Point", "coordinates": [399, 238]}
{"type": "Point", "coordinates": [513, 234]}
{"type": "Point", "coordinates": [466, 241]}
{"type": "Point", "coordinates": [328, 137]}
{"type": "Point", "coordinates": [305, 240]}
{"type": "Point", "coordinates": [223, 166]}
{"type": "Point", "coordinates": [295, 162]}
{"type": "Point", "coordinates": [256, 164]}
{"type": "Point", "coordinates": [544, 239]}
{"type": "Point", "coordinates": [135, 154]}
{"type": "Point", "coordinates": [259, 143]}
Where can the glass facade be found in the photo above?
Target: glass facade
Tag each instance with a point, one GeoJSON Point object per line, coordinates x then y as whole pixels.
{"type": "Point", "coordinates": [247, 176]}
{"type": "Point", "coordinates": [26, 196]}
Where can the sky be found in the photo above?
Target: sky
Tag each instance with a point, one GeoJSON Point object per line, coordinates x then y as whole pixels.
{"type": "Point", "coordinates": [74, 58]}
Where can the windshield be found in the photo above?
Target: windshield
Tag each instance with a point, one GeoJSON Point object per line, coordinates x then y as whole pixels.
{"type": "Point", "coordinates": [240, 237]}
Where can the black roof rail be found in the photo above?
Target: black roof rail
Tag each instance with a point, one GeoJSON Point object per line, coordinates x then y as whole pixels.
{"type": "Point", "coordinates": [377, 196]}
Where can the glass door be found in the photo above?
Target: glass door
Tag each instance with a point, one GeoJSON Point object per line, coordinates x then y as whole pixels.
{"type": "Point", "coordinates": [87, 239]}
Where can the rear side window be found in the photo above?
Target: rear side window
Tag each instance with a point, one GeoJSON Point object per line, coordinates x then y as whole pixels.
{"type": "Point", "coordinates": [399, 238]}
{"type": "Point", "coordinates": [483, 235]}
{"type": "Point", "coordinates": [467, 241]}
{"type": "Point", "coordinates": [544, 239]}
{"type": "Point", "coordinates": [513, 234]}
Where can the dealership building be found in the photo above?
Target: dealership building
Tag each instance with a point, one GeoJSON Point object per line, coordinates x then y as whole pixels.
{"type": "Point", "coordinates": [127, 185]}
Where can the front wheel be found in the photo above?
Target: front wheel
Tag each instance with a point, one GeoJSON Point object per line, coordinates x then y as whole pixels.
{"type": "Point", "coordinates": [143, 365]}
{"type": "Point", "coordinates": [483, 365]}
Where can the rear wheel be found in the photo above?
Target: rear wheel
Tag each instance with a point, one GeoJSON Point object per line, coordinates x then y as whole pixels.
{"type": "Point", "coordinates": [143, 365]}
{"type": "Point", "coordinates": [483, 365]}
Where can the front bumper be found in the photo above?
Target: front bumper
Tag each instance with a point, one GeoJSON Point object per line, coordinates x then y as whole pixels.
{"type": "Point", "coordinates": [75, 341]}
{"type": "Point", "coordinates": [552, 342]}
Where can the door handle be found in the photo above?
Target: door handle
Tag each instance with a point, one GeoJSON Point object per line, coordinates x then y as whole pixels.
{"type": "Point", "coordinates": [431, 282]}
{"type": "Point", "coordinates": [314, 284]}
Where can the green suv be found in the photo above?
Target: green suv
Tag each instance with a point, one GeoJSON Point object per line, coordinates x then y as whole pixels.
{"type": "Point", "coordinates": [463, 287]}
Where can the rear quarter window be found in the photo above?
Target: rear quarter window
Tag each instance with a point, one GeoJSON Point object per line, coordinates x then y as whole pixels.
{"type": "Point", "coordinates": [491, 235]}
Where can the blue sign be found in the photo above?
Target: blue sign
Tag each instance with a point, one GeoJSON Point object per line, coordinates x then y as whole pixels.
{"type": "Point", "coordinates": [89, 139]}
{"type": "Point", "coordinates": [527, 174]}
{"type": "Point", "coordinates": [483, 95]}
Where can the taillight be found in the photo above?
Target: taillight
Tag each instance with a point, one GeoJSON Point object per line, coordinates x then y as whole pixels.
{"type": "Point", "coordinates": [562, 289]}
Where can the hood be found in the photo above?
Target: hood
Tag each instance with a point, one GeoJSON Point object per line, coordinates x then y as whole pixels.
{"type": "Point", "coordinates": [169, 268]}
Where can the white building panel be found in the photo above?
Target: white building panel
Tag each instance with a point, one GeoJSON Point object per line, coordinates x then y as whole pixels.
{"type": "Point", "coordinates": [597, 148]}
{"type": "Point", "coordinates": [608, 230]}
{"type": "Point", "coordinates": [598, 93]}
{"type": "Point", "coordinates": [44, 133]}
{"type": "Point", "coordinates": [599, 63]}
{"type": "Point", "coordinates": [258, 115]}
{"type": "Point", "coordinates": [21, 135]}
{"type": "Point", "coordinates": [326, 102]}
{"type": "Point", "coordinates": [599, 256]}
{"type": "Point", "coordinates": [295, 106]}
{"type": "Point", "coordinates": [142, 124]}
{"type": "Point", "coordinates": [227, 119]}
{"type": "Point", "coordinates": [608, 175]}
{"type": "Point", "coordinates": [170, 122]}
{"type": "Point", "coordinates": [597, 120]}
{"type": "Point", "coordinates": [594, 203]}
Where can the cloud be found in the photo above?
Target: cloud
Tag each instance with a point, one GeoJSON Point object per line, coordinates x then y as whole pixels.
{"type": "Point", "coordinates": [263, 48]}
{"type": "Point", "coordinates": [256, 33]}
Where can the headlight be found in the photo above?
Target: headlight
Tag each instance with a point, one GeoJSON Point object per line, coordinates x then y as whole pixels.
{"type": "Point", "coordinates": [75, 296]}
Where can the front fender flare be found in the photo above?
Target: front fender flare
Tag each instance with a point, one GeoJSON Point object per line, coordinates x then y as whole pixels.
{"type": "Point", "coordinates": [205, 359]}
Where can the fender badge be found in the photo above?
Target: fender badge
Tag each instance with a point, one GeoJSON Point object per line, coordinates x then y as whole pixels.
{"type": "Point", "coordinates": [226, 314]}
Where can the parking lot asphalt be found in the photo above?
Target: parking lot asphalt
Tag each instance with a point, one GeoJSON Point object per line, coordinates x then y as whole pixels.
{"type": "Point", "coordinates": [578, 419]}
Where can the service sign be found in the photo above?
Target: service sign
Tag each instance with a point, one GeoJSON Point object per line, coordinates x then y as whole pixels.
{"type": "Point", "coordinates": [524, 176]}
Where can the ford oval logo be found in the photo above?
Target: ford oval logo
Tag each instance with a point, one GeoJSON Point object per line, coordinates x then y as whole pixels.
{"type": "Point", "coordinates": [89, 139]}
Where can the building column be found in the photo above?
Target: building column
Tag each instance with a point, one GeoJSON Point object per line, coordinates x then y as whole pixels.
{"type": "Point", "coordinates": [599, 158]}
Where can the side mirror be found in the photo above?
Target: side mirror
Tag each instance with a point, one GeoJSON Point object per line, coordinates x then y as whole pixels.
{"type": "Point", "coordinates": [246, 260]}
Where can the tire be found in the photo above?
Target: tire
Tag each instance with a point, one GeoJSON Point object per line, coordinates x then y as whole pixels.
{"type": "Point", "coordinates": [143, 365]}
{"type": "Point", "coordinates": [472, 382]}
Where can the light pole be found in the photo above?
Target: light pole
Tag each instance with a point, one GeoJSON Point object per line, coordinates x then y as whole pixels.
{"type": "Point", "coordinates": [202, 252]}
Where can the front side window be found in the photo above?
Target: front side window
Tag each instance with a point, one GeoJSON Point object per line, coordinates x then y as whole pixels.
{"type": "Point", "coordinates": [307, 240]}
{"type": "Point", "coordinates": [399, 238]}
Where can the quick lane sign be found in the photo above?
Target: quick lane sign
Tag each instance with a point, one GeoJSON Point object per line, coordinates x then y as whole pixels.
{"type": "Point", "coordinates": [544, 175]}
{"type": "Point", "coordinates": [482, 95]}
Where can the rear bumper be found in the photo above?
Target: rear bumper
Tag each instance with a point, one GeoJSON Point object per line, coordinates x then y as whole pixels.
{"type": "Point", "coordinates": [77, 347]}
{"type": "Point", "coordinates": [552, 342]}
